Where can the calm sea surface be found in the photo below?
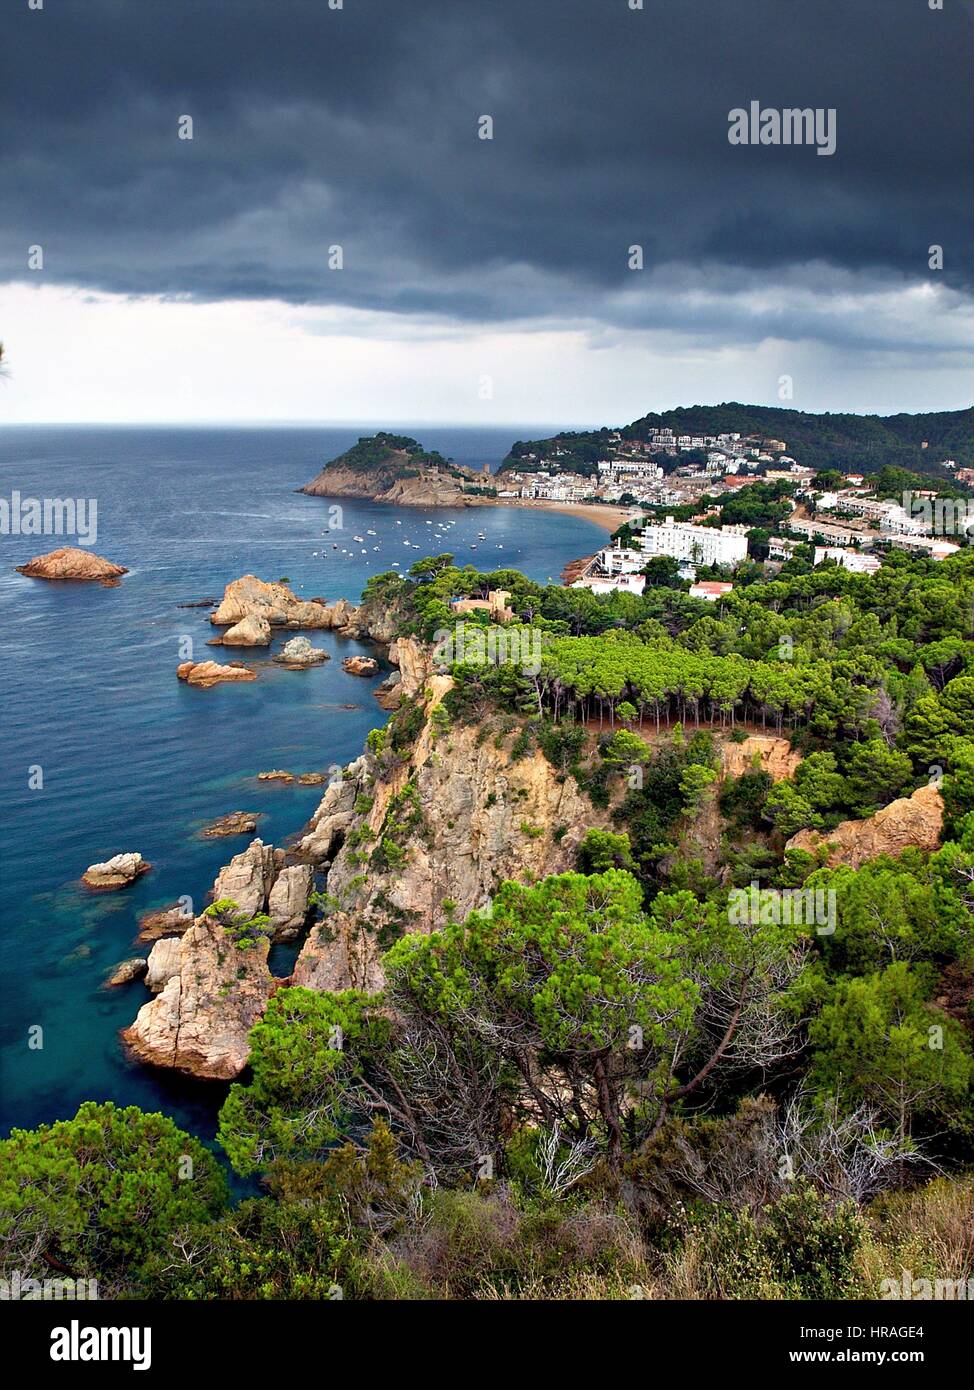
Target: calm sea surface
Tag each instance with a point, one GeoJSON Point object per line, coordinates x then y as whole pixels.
{"type": "Point", "coordinates": [131, 758]}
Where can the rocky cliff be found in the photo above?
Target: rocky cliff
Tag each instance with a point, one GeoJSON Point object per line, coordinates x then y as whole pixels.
{"type": "Point", "coordinates": [911, 822]}
{"type": "Point", "coordinates": [433, 834]}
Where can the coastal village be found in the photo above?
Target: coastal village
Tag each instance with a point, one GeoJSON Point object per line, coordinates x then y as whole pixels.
{"type": "Point", "coordinates": [846, 522]}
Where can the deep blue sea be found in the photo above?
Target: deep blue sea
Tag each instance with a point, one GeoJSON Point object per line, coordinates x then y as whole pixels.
{"type": "Point", "coordinates": [133, 759]}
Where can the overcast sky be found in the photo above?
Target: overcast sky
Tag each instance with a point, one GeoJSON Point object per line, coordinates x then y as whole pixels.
{"type": "Point", "coordinates": [485, 281]}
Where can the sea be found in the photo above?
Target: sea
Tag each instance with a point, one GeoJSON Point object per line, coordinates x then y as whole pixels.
{"type": "Point", "coordinates": [103, 750]}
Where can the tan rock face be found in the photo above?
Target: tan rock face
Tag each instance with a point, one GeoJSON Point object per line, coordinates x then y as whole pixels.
{"type": "Point", "coordinates": [117, 872]}
{"type": "Point", "coordinates": [335, 813]}
{"type": "Point", "coordinates": [911, 822]}
{"type": "Point", "coordinates": [251, 631]}
{"type": "Point", "coordinates": [248, 878]}
{"type": "Point", "coordinates": [486, 818]}
{"type": "Point", "coordinates": [200, 1021]}
{"type": "Point", "coordinates": [163, 963]}
{"type": "Point", "coordinates": [207, 673]}
{"type": "Point", "coordinates": [71, 563]}
{"type": "Point", "coordinates": [766, 753]}
{"type": "Point", "coordinates": [287, 902]}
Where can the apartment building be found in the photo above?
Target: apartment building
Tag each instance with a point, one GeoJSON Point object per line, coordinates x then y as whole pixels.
{"type": "Point", "coordinates": [703, 545]}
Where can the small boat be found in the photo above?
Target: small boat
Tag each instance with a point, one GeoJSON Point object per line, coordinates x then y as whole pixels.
{"type": "Point", "coordinates": [371, 533]}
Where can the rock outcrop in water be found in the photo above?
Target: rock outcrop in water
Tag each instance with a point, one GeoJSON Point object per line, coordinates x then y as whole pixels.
{"type": "Point", "coordinates": [234, 823]}
{"type": "Point", "coordinates": [912, 822]}
{"type": "Point", "coordinates": [251, 631]}
{"type": "Point", "coordinates": [70, 562]}
{"type": "Point", "coordinates": [117, 872]}
{"type": "Point", "coordinates": [209, 673]}
{"type": "Point", "coordinates": [213, 995]}
{"type": "Point", "coordinates": [360, 665]}
{"type": "Point", "coordinates": [251, 604]}
{"type": "Point", "coordinates": [126, 971]}
{"type": "Point", "coordinates": [166, 921]}
{"type": "Point", "coordinates": [249, 877]}
{"type": "Point", "coordinates": [298, 653]}
{"type": "Point", "coordinates": [258, 880]}
{"type": "Point", "coordinates": [211, 989]}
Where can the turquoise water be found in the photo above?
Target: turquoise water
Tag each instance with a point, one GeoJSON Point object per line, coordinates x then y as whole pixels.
{"type": "Point", "coordinates": [132, 759]}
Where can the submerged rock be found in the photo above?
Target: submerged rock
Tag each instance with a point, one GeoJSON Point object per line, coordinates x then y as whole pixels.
{"type": "Point", "coordinates": [207, 673]}
{"type": "Point", "coordinates": [166, 921]}
{"type": "Point", "coordinates": [117, 872]}
{"type": "Point", "coordinates": [234, 823]}
{"type": "Point", "coordinates": [70, 562]}
{"type": "Point", "coordinates": [126, 971]}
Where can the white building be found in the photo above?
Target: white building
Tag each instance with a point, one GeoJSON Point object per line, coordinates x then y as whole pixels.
{"type": "Point", "coordinates": [710, 589]}
{"type": "Point", "coordinates": [781, 549]}
{"type": "Point", "coordinates": [620, 560]}
{"type": "Point", "coordinates": [848, 559]}
{"type": "Point", "coordinates": [925, 545]}
{"type": "Point", "coordinates": [843, 534]}
{"type": "Point", "coordinates": [703, 545]}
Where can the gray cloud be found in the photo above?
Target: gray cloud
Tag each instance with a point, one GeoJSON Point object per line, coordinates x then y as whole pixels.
{"type": "Point", "coordinates": [358, 127]}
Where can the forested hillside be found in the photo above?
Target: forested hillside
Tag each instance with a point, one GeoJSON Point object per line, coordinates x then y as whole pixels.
{"type": "Point", "coordinates": [852, 443]}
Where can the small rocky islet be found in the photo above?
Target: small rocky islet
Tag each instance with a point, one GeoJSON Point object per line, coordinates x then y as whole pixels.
{"type": "Point", "coordinates": [70, 562]}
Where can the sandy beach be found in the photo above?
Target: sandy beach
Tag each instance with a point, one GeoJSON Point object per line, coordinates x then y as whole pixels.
{"type": "Point", "coordinates": [608, 517]}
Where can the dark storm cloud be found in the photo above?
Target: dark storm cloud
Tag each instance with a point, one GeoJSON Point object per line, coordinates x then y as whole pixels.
{"type": "Point", "coordinates": [359, 127]}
